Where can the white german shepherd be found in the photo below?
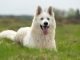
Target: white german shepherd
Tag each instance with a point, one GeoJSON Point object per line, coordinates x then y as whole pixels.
{"type": "Point", "coordinates": [41, 34]}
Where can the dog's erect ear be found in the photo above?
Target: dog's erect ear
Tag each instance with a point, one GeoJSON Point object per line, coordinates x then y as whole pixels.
{"type": "Point", "coordinates": [39, 10]}
{"type": "Point", "coordinates": [50, 10]}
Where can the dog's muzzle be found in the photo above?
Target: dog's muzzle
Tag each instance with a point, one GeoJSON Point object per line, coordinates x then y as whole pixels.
{"type": "Point", "coordinates": [44, 29]}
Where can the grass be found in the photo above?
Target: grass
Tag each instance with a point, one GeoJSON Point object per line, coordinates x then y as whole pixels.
{"type": "Point", "coordinates": [67, 40]}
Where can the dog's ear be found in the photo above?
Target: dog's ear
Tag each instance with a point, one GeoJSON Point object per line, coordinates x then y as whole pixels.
{"type": "Point", "coordinates": [39, 10]}
{"type": "Point", "coordinates": [50, 10]}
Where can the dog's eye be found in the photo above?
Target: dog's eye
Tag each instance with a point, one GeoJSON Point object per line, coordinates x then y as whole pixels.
{"type": "Point", "coordinates": [41, 18]}
{"type": "Point", "coordinates": [48, 18]}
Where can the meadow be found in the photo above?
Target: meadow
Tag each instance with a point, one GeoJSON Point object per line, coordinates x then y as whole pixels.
{"type": "Point", "coordinates": [67, 40]}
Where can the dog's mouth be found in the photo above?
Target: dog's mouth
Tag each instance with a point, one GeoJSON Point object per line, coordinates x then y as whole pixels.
{"type": "Point", "coordinates": [44, 29]}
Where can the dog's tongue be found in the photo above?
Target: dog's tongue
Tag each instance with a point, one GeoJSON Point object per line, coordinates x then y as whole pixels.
{"type": "Point", "coordinates": [45, 30]}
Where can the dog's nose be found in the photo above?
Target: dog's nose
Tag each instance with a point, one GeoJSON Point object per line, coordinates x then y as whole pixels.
{"type": "Point", "coordinates": [45, 23]}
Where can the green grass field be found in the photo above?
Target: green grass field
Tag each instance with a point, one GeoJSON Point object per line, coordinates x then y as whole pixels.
{"type": "Point", "coordinates": [67, 40]}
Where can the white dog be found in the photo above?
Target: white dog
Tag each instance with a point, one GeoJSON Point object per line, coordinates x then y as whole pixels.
{"type": "Point", "coordinates": [41, 34]}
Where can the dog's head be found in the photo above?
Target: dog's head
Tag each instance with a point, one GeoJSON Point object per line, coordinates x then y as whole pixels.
{"type": "Point", "coordinates": [45, 19]}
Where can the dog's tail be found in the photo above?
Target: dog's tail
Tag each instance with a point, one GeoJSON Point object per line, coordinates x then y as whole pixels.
{"type": "Point", "coordinates": [10, 34]}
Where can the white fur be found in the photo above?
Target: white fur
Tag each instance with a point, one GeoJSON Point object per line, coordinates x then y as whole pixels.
{"type": "Point", "coordinates": [8, 34]}
{"type": "Point", "coordinates": [33, 36]}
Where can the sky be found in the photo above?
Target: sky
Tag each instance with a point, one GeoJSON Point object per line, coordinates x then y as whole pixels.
{"type": "Point", "coordinates": [28, 7]}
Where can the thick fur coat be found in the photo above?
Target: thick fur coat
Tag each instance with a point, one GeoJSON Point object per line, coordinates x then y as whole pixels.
{"type": "Point", "coordinates": [41, 34]}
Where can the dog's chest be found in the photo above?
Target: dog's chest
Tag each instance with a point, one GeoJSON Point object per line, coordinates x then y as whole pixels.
{"type": "Point", "coordinates": [42, 41]}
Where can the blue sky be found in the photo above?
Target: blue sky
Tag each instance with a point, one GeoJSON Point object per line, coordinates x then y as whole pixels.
{"type": "Point", "coordinates": [19, 7]}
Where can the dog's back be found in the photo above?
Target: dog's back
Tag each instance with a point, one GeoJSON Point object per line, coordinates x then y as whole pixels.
{"type": "Point", "coordinates": [21, 34]}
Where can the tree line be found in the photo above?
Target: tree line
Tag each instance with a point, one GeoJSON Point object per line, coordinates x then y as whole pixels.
{"type": "Point", "coordinates": [70, 16]}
